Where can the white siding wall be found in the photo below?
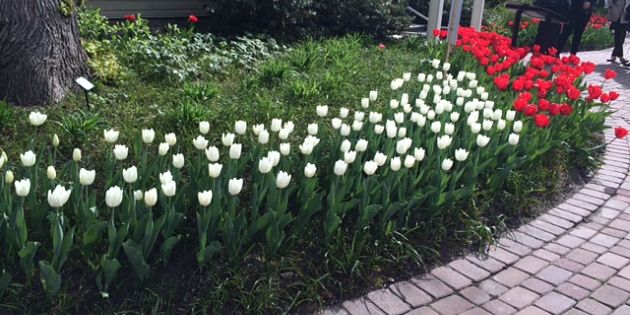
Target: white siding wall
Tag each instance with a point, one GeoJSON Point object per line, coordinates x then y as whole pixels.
{"type": "Point", "coordinates": [150, 8]}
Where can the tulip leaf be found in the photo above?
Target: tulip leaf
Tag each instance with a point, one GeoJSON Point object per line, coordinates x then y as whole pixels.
{"type": "Point", "coordinates": [50, 279]}
{"type": "Point", "coordinates": [5, 281]}
{"type": "Point", "coordinates": [167, 247]}
{"type": "Point", "coordinates": [94, 232]}
{"type": "Point", "coordinates": [134, 253]}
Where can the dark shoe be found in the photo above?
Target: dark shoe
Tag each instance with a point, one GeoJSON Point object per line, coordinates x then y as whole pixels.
{"type": "Point", "coordinates": [624, 62]}
{"type": "Point", "coordinates": [612, 59]}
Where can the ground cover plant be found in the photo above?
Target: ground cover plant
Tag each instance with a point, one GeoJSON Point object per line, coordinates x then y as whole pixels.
{"type": "Point", "coordinates": [304, 180]}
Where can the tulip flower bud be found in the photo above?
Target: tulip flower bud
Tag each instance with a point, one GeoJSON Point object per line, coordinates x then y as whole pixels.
{"type": "Point", "coordinates": [169, 189]}
{"type": "Point", "coordinates": [447, 164]}
{"type": "Point", "coordinates": [111, 135]}
{"type": "Point", "coordinates": [349, 156]}
{"type": "Point", "coordinates": [431, 114]}
{"type": "Point", "coordinates": [380, 158]}
{"type": "Point", "coordinates": [23, 187]}
{"type": "Point", "coordinates": [263, 137]}
{"type": "Point", "coordinates": [312, 129]}
{"type": "Point", "coordinates": [204, 127]}
{"type": "Point", "coordinates": [200, 143]}
{"type": "Point", "coordinates": [205, 198]}
{"type": "Point", "coordinates": [282, 180]}
{"type": "Point", "coordinates": [86, 177]}
{"type": "Point", "coordinates": [365, 102]}
{"type": "Point", "coordinates": [235, 151]}
{"type": "Point", "coordinates": [435, 63]}
{"type": "Point", "coordinates": [166, 177]}
{"type": "Point", "coordinates": [212, 154]}
{"type": "Point", "coordinates": [258, 128]}
{"type": "Point", "coordinates": [3, 159]}
{"type": "Point", "coordinates": [51, 173]}
{"type": "Point", "coordinates": [344, 130]}
{"type": "Point", "coordinates": [513, 139]}
{"type": "Point", "coordinates": [518, 126]}
{"type": "Point", "coordinates": [340, 167]}
{"type": "Point", "coordinates": [373, 95]}
{"type": "Point", "coordinates": [163, 148]}
{"type": "Point", "coordinates": [178, 160]}
{"type": "Point", "coordinates": [113, 197]}
{"type": "Point", "coordinates": [37, 119]}
{"type": "Point", "coordinates": [449, 128]}
{"type": "Point", "coordinates": [407, 76]}
{"type": "Point", "coordinates": [148, 135]}
{"type": "Point", "coordinates": [369, 168]}
{"type": "Point", "coordinates": [283, 134]}
{"type": "Point", "coordinates": [322, 110]}
{"type": "Point", "coordinates": [461, 154]}
{"type": "Point", "coordinates": [475, 128]}
{"type": "Point", "coordinates": [310, 170]}
{"type": "Point", "coordinates": [235, 186]}
{"type": "Point", "coordinates": [487, 125]}
{"type": "Point", "coordinates": [8, 177]}
{"type": "Point", "coordinates": [227, 139]}
{"type": "Point", "coordinates": [240, 127]}
{"type": "Point", "coordinates": [393, 104]}
{"type": "Point", "coordinates": [121, 152]}
{"type": "Point", "coordinates": [409, 161]}
{"type": "Point", "coordinates": [395, 164]}
{"type": "Point", "coordinates": [418, 154]}
{"type": "Point", "coordinates": [55, 141]}
{"type": "Point", "coordinates": [214, 169]}
{"type": "Point", "coordinates": [336, 123]}
{"type": "Point", "coordinates": [150, 197]}
{"type": "Point", "coordinates": [58, 197]}
{"type": "Point", "coordinates": [285, 148]}
{"type": "Point", "coordinates": [422, 77]}
{"type": "Point", "coordinates": [28, 158]}
{"type": "Point", "coordinates": [265, 165]}
{"type": "Point", "coordinates": [378, 129]}
{"type": "Point", "coordinates": [501, 124]}
{"type": "Point", "coordinates": [357, 125]}
{"type": "Point", "coordinates": [361, 145]}
{"type": "Point", "coordinates": [510, 115]}
{"type": "Point", "coordinates": [138, 195]}
{"type": "Point", "coordinates": [482, 140]}
{"type": "Point", "coordinates": [276, 124]}
{"type": "Point", "coordinates": [170, 138]}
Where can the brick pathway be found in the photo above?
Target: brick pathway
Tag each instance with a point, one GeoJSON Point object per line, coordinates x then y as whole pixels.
{"type": "Point", "coordinates": [574, 259]}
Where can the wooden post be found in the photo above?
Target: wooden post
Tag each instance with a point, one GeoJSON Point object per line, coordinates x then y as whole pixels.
{"type": "Point", "coordinates": [453, 25]}
{"type": "Point", "coordinates": [477, 14]}
{"type": "Point", "coordinates": [435, 16]}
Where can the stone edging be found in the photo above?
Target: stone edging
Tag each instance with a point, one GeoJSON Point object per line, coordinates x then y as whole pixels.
{"type": "Point", "coordinates": [574, 256]}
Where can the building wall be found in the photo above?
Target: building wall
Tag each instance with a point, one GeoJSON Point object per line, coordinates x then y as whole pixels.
{"type": "Point", "coordinates": [151, 8]}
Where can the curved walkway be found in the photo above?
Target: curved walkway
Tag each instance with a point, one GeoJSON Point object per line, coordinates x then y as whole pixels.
{"type": "Point", "coordinates": [574, 259]}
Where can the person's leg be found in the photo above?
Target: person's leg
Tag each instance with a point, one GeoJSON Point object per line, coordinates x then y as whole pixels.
{"type": "Point", "coordinates": [577, 37]}
{"type": "Point", "coordinates": [567, 29]}
{"type": "Point", "coordinates": [618, 36]}
{"type": "Point", "coordinates": [622, 39]}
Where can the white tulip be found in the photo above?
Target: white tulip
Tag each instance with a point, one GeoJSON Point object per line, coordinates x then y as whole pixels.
{"type": "Point", "coordinates": [459, 101]}
{"type": "Point", "coordinates": [475, 128]}
{"type": "Point", "coordinates": [349, 156]}
{"type": "Point", "coordinates": [446, 66]}
{"type": "Point", "coordinates": [28, 158]}
{"type": "Point", "coordinates": [344, 130]}
{"type": "Point", "coordinates": [336, 123]}
{"type": "Point", "coordinates": [365, 102]}
{"type": "Point", "coordinates": [289, 125]}
{"type": "Point", "coordinates": [473, 84]}
{"type": "Point", "coordinates": [214, 169]}
{"type": "Point", "coordinates": [435, 63]}
{"type": "Point", "coordinates": [55, 140]}
{"type": "Point", "coordinates": [449, 128]}
{"type": "Point", "coordinates": [380, 158]}
{"type": "Point", "coordinates": [444, 141]}
{"type": "Point", "coordinates": [375, 117]}
{"type": "Point", "coordinates": [200, 143]}
{"type": "Point", "coordinates": [497, 114]}
{"type": "Point", "coordinates": [402, 132]}
{"type": "Point", "coordinates": [310, 170]}
{"type": "Point", "coordinates": [340, 167]}
{"type": "Point", "coordinates": [409, 161]}
{"type": "Point", "coordinates": [58, 197]}
{"type": "Point", "coordinates": [395, 164]}
{"type": "Point", "coordinates": [148, 135]}
{"type": "Point", "coordinates": [312, 129]}
{"type": "Point", "coordinates": [111, 135]}
{"type": "Point", "coordinates": [373, 95]}
{"type": "Point", "coordinates": [51, 173]}
{"type": "Point", "coordinates": [23, 187]}
{"type": "Point", "coordinates": [265, 165]}
{"type": "Point", "coordinates": [258, 128]}
{"type": "Point", "coordinates": [285, 148]}
{"type": "Point", "coordinates": [121, 152]}
{"type": "Point", "coordinates": [274, 156]}
{"type": "Point", "coordinates": [8, 177]}
{"type": "Point", "coordinates": [391, 130]}
{"type": "Point", "coordinates": [240, 127]}
{"type": "Point", "coordinates": [369, 168]}
{"type": "Point", "coordinates": [204, 127]}
{"type": "Point", "coordinates": [150, 197]}
{"type": "Point", "coordinates": [163, 148]}
{"type": "Point", "coordinates": [378, 129]}
{"type": "Point", "coordinates": [487, 125]}
{"type": "Point", "coordinates": [510, 115]}
{"type": "Point", "coordinates": [37, 119]}
{"type": "Point", "coordinates": [461, 154]}
{"type": "Point", "coordinates": [418, 154]}
{"type": "Point", "coordinates": [518, 126]}
{"type": "Point", "coordinates": [113, 197]}
{"type": "Point", "coordinates": [212, 154]}
{"type": "Point", "coordinates": [359, 116]}
{"type": "Point", "coordinates": [345, 145]}
{"type": "Point", "coordinates": [429, 78]}
{"type": "Point", "coordinates": [513, 139]}
{"type": "Point", "coordinates": [431, 114]}
{"type": "Point", "coordinates": [422, 77]}
{"type": "Point", "coordinates": [407, 76]}
{"type": "Point", "coordinates": [306, 148]}
{"type": "Point", "coordinates": [393, 104]}
{"type": "Point", "coordinates": [343, 112]}
{"type": "Point", "coordinates": [138, 195]}
{"type": "Point", "coordinates": [169, 189]}
{"type": "Point", "coordinates": [263, 137]}
{"type": "Point", "coordinates": [235, 186]}
{"type": "Point", "coordinates": [282, 180]}
{"type": "Point", "coordinates": [283, 134]}
{"type": "Point", "coordinates": [227, 139]}
{"type": "Point", "coordinates": [235, 151]}
{"type": "Point", "coordinates": [276, 124]}
{"type": "Point", "coordinates": [422, 120]}
{"type": "Point", "coordinates": [86, 178]}
{"type": "Point", "coordinates": [166, 177]}
{"type": "Point", "coordinates": [204, 198]}
{"type": "Point", "coordinates": [178, 160]}
{"type": "Point", "coordinates": [501, 124]}
{"type": "Point", "coordinates": [488, 113]}
{"type": "Point", "coordinates": [403, 145]}
{"type": "Point", "coordinates": [3, 159]}
{"type": "Point", "coordinates": [361, 145]}
{"type": "Point", "coordinates": [357, 125]}
{"type": "Point", "coordinates": [447, 164]}
{"type": "Point", "coordinates": [399, 117]}
{"type": "Point", "coordinates": [322, 110]}
{"type": "Point", "coordinates": [482, 140]}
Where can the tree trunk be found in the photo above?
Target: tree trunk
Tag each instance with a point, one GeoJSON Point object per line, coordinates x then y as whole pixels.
{"type": "Point", "coordinates": [40, 52]}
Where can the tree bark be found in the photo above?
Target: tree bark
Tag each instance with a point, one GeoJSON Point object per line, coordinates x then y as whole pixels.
{"type": "Point", "coordinates": [40, 52]}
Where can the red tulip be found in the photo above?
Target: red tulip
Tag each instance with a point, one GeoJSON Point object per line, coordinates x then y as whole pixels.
{"type": "Point", "coordinates": [566, 109]}
{"type": "Point", "coordinates": [605, 98]}
{"type": "Point", "coordinates": [541, 120]}
{"type": "Point", "coordinates": [193, 19]}
{"type": "Point", "coordinates": [621, 132]}
{"type": "Point", "coordinates": [554, 109]}
{"type": "Point", "coordinates": [131, 18]}
{"type": "Point", "coordinates": [381, 46]}
{"type": "Point", "coordinates": [573, 93]}
{"type": "Point", "coordinates": [613, 95]}
{"type": "Point", "coordinates": [610, 74]}
{"type": "Point", "coordinates": [530, 110]}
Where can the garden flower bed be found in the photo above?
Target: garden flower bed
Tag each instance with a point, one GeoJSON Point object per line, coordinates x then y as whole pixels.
{"type": "Point", "coordinates": [276, 214]}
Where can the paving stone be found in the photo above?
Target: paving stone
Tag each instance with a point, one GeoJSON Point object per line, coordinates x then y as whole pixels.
{"type": "Point", "coordinates": [582, 204]}
{"type": "Point", "coordinates": [410, 293]}
{"type": "Point", "coordinates": [613, 260]}
{"type": "Point", "coordinates": [537, 232]}
{"type": "Point", "coordinates": [519, 297]}
{"type": "Point", "coordinates": [608, 213]}
{"type": "Point", "coordinates": [598, 271]}
{"type": "Point", "coordinates": [594, 248]}
{"type": "Point", "coordinates": [333, 311]}
{"type": "Point", "coordinates": [514, 247]}
{"type": "Point", "coordinates": [432, 285]}
{"type": "Point", "coordinates": [388, 301]}
{"type": "Point", "coordinates": [614, 232]}
{"type": "Point", "coordinates": [475, 295]}
{"type": "Point", "coordinates": [527, 240]}
{"type": "Point", "coordinates": [623, 310]}
{"type": "Point", "coordinates": [599, 219]}
{"type": "Point", "coordinates": [547, 227]}
{"type": "Point", "coordinates": [537, 285]}
{"type": "Point", "coordinates": [569, 265]}
{"type": "Point", "coordinates": [625, 272]}
{"type": "Point", "coordinates": [570, 241]}
{"type": "Point", "coordinates": [503, 256]}
{"type": "Point", "coordinates": [582, 256]}
{"type": "Point", "coordinates": [610, 295]}
{"type": "Point", "coordinates": [583, 232]}
{"type": "Point", "coordinates": [574, 209]}
{"type": "Point", "coordinates": [423, 311]}
{"type": "Point", "coordinates": [619, 224]}
{"type": "Point", "coordinates": [531, 264]}
{"type": "Point", "coordinates": [598, 193]}
{"type": "Point", "coordinates": [476, 311]}
{"type": "Point", "coordinates": [604, 240]}
{"type": "Point", "coordinates": [565, 224]}
{"type": "Point", "coordinates": [573, 291]}
{"type": "Point", "coordinates": [585, 282]}
{"type": "Point", "coordinates": [624, 243]}
{"type": "Point", "coordinates": [554, 275]}
{"type": "Point", "coordinates": [546, 255]}
{"type": "Point", "coordinates": [451, 305]}
{"type": "Point", "coordinates": [469, 269]}
{"type": "Point", "coordinates": [617, 204]}
{"type": "Point", "coordinates": [361, 306]}
{"type": "Point", "coordinates": [510, 277]}
{"type": "Point", "coordinates": [575, 311]}
{"type": "Point", "coordinates": [589, 199]}
{"type": "Point", "coordinates": [593, 225]}
{"type": "Point", "coordinates": [621, 251]}
{"type": "Point", "coordinates": [557, 248]}
{"type": "Point", "coordinates": [532, 310]}
{"type": "Point", "coordinates": [555, 303]}
{"type": "Point", "coordinates": [497, 307]}
{"type": "Point", "coordinates": [621, 283]}
{"type": "Point", "coordinates": [593, 307]}
{"type": "Point", "coordinates": [451, 277]}
{"type": "Point", "coordinates": [492, 287]}
{"type": "Point", "coordinates": [574, 218]}
{"type": "Point", "coordinates": [490, 264]}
